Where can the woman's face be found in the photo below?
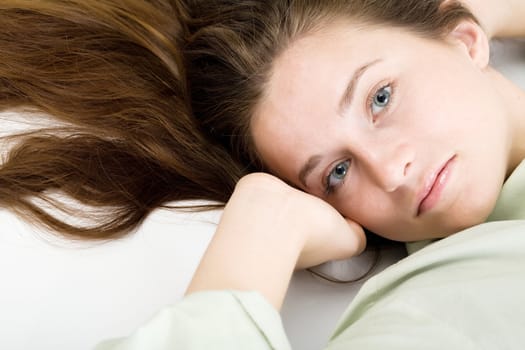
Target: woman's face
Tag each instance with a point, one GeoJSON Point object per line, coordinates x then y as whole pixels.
{"type": "Point", "coordinates": [404, 135]}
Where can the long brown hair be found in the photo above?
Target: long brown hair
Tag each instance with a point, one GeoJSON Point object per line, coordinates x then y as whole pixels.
{"type": "Point", "coordinates": [123, 142]}
{"type": "Point", "coordinates": [233, 45]}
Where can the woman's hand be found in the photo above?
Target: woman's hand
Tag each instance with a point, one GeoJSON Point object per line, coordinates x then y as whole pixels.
{"type": "Point", "coordinates": [323, 234]}
{"type": "Point", "coordinates": [499, 18]}
{"type": "Point", "coordinates": [267, 230]}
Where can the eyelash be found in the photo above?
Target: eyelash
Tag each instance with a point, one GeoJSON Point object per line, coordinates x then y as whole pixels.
{"type": "Point", "coordinates": [328, 188]}
{"type": "Point", "coordinates": [373, 94]}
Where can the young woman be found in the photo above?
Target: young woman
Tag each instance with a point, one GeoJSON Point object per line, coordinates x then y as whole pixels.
{"type": "Point", "coordinates": [390, 116]}
{"type": "Point", "coordinates": [344, 113]}
{"type": "Point", "coordinates": [110, 74]}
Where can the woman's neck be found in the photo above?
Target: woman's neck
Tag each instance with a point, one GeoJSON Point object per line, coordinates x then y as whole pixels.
{"type": "Point", "coordinates": [514, 98]}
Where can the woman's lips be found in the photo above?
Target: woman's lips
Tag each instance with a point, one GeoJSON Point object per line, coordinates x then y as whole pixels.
{"type": "Point", "coordinates": [434, 186]}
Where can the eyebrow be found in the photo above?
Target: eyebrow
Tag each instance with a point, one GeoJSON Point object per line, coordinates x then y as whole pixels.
{"type": "Point", "coordinates": [348, 95]}
{"type": "Point", "coordinates": [345, 102]}
{"type": "Point", "coordinates": [308, 167]}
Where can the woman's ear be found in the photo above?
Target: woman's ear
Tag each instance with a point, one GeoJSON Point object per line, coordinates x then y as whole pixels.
{"type": "Point", "coordinates": [473, 39]}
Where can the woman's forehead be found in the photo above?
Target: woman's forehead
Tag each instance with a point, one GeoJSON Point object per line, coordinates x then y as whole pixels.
{"type": "Point", "coordinates": [308, 81]}
{"type": "Point", "coordinates": [309, 77]}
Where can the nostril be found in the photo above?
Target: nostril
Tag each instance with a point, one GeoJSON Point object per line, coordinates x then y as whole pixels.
{"type": "Point", "coordinates": [407, 165]}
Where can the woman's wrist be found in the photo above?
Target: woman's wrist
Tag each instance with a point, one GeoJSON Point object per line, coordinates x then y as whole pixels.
{"type": "Point", "coordinates": [267, 230]}
{"type": "Point", "coordinates": [503, 18]}
{"type": "Point", "coordinates": [512, 22]}
{"type": "Point", "coordinates": [255, 247]}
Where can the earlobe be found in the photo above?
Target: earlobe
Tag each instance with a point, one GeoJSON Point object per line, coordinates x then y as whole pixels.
{"type": "Point", "coordinates": [470, 35]}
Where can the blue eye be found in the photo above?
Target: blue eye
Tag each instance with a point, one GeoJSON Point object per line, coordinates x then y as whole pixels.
{"type": "Point", "coordinates": [336, 176]}
{"type": "Point", "coordinates": [381, 99]}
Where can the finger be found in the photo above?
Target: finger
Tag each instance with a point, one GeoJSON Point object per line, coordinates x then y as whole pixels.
{"type": "Point", "coordinates": [358, 234]}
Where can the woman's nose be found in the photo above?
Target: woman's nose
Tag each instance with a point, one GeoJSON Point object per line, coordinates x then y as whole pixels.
{"type": "Point", "coordinates": [389, 167]}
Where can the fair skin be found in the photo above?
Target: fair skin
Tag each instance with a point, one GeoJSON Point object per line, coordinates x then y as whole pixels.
{"type": "Point", "coordinates": [270, 228]}
{"type": "Point", "coordinates": [263, 226]}
{"type": "Point", "coordinates": [502, 18]}
{"type": "Point", "coordinates": [401, 157]}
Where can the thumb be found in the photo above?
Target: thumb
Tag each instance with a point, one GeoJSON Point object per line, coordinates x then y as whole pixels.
{"type": "Point", "coordinates": [346, 240]}
{"type": "Point", "coordinates": [358, 234]}
{"type": "Point", "coordinates": [350, 242]}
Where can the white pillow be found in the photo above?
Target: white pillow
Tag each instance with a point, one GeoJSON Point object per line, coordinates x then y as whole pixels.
{"type": "Point", "coordinates": [63, 295]}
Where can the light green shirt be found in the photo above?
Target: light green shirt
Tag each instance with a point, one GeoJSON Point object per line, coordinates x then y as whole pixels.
{"type": "Point", "coordinates": [463, 292]}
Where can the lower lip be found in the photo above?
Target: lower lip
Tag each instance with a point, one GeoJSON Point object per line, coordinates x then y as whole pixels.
{"type": "Point", "coordinates": [434, 195]}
